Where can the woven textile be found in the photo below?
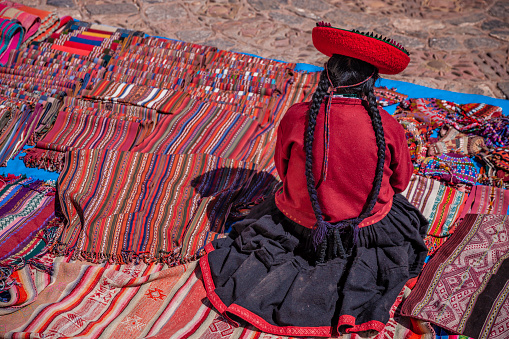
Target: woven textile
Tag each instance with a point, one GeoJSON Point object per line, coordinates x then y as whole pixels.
{"type": "Point", "coordinates": [17, 126]}
{"type": "Point", "coordinates": [464, 287]}
{"type": "Point", "coordinates": [28, 224]}
{"type": "Point", "coordinates": [12, 36]}
{"type": "Point", "coordinates": [451, 168]}
{"type": "Point", "coordinates": [30, 22]}
{"type": "Point", "coordinates": [49, 22]}
{"type": "Point", "coordinates": [26, 206]}
{"type": "Point", "coordinates": [143, 206]}
{"type": "Point", "coordinates": [162, 100]}
{"type": "Point", "coordinates": [500, 158]}
{"type": "Point", "coordinates": [111, 110]}
{"type": "Point", "coordinates": [73, 131]}
{"type": "Point", "coordinates": [417, 135]}
{"type": "Point", "coordinates": [440, 204]}
{"type": "Point", "coordinates": [386, 96]}
{"type": "Point", "coordinates": [496, 167]}
{"type": "Point", "coordinates": [204, 128]}
{"type": "Point", "coordinates": [147, 301]}
{"type": "Point", "coordinates": [486, 200]}
{"type": "Point", "coordinates": [438, 112]}
{"type": "Point", "coordinates": [30, 282]}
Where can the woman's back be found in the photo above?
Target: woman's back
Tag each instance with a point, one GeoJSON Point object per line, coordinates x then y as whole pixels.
{"type": "Point", "coordinates": [351, 164]}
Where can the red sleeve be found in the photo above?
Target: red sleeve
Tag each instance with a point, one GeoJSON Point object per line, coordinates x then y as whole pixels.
{"type": "Point", "coordinates": [401, 163]}
{"type": "Point", "coordinates": [281, 155]}
{"type": "Point", "coordinates": [290, 124]}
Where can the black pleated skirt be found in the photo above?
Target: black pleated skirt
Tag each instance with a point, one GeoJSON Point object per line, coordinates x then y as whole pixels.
{"type": "Point", "coordinates": [264, 273]}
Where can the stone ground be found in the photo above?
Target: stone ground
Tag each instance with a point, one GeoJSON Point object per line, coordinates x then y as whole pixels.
{"type": "Point", "coordinates": [456, 45]}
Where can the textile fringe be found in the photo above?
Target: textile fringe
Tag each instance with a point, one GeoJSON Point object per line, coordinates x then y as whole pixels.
{"type": "Point", "coordinates": [49, 160]}
{"type": "Point", "coordinates": [13, 264]}
{"type": "Point", "coordinates": [126, 257]}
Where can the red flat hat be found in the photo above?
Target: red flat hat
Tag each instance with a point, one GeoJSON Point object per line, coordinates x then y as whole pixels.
{"type": "Point", "coordinates": [385, 54]}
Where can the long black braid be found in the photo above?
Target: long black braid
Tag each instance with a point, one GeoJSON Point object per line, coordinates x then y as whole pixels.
{"type": "Point", "coordinates": [343, 70]}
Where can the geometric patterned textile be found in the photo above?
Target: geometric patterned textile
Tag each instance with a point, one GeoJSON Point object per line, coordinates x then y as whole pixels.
{"type": "Point", "coordinates": [439, 203]}
{"type": "Point", "coordinates": [464, 287]}
{"type": "Point", "coordinates": [486, 200]}
{"type": "Point", "coordinates": [144, 206]}
{"type": "Point", "coordinates": [147, 301]}
{"type": "Point", "coordinates": [30, 282]}
{"type": "Point", "coordinates": [27, 225]}
{"type": "Point", "coordinates": [439, 112]}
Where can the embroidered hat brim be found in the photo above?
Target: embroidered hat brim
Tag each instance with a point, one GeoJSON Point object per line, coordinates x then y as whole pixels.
{"type": "Point", "coordinates": [386, 55]}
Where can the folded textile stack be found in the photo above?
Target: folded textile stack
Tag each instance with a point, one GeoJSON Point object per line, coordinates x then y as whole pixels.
{"type": "Point", "coordinates": [38, 24]}
{"type": "Point", "coordinates": [30, 22]}
{"type": "Point", "coordinates": [12, 37]}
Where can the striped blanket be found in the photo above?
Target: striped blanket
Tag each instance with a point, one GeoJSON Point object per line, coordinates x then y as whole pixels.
{"type": "Point", "coordinates": [28, 223]}
{"type": "Point", "coordinates": [162, 100]}
{"type": "Point", "coordinates": [73, 131]}
{"type": "Point", "coordinates": [203, 128]}
{"type": "Point", "coordinates": [11, 38]}
{"type": "Point", "coordinates": [145, 206]}
{"type": "Point", "coordinates": [29, 283]}
{"type": "Point", "coordinates": [17, 125]}
{"type": "Point", "coordinates": [440, 204]}
{"type": "Point", "coordinates": [486, 200]}
{"type": "Point", "coordinates": [29, 22]}
{"type": "Point", "coordinates": [148, 301]}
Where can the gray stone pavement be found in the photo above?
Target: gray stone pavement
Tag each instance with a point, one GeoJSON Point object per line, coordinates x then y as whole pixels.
{"type": "Point", "coordinates": [456, 45]}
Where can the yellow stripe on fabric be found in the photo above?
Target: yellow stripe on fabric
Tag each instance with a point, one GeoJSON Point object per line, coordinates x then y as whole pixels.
{"type": "Point", "coordinates": [98, 35]}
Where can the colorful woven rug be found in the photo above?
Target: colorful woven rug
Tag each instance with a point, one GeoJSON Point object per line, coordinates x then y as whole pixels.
{"type": "Point", "coordinates": [18, 125]}
{"type": "Point", "coordinates": [440, 204]}
{"type": "Point", "coordinates": [204, 128]}
{"type": "Point", "coordinates": [486, 200]}
{"type": "Point", "coordinates": [49, 22]}
{"type": "Point", "coordinates": [28, 223]}
{"type": "Point", "coordinates": [464, 287]}
{"type": "Point", "coordinates": [143, 206]}
{"type": "Point", "coordinates": [30, 282]}
{"type": "Point", "coordinates": [29, 22]}
{"type": "Point", "coordinates": [148, 301]}
{"type": "Point", "coordinates": [162, 100]}
{"type": "Point", "coordinates": [73, 131]}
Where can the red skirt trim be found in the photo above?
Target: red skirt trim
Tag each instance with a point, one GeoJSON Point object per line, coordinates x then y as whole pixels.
{"type": "Point", "coordinates": [260, 323]}
{"type": "Point", "coordinates": [348, 320]}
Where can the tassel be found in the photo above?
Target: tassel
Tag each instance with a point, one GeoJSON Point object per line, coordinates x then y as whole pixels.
{"type": "Point", "coordinates": [319, 233]}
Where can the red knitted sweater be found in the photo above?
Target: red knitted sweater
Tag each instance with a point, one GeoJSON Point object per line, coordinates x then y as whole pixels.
{"type": "Point", "coordinates": [352, 163]}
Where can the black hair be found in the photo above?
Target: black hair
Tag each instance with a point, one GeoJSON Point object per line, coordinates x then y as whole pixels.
{"type": "Point", "coordinates": [343, 71]}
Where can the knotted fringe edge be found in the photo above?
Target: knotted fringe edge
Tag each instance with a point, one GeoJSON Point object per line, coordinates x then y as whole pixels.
{"type": "Point", "coordinates": [48, 236]}
{"type": "Point", "coordinates": [49, 160]}
{"type": "Point", "coordinates": [126, 257]}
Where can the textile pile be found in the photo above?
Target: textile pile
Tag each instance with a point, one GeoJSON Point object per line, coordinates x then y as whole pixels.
{"type": "Point", "coordinates": [161, 145]}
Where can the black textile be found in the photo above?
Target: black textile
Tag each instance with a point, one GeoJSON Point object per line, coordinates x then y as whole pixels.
{"type": "Point", "coordinates": [267, 267]}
